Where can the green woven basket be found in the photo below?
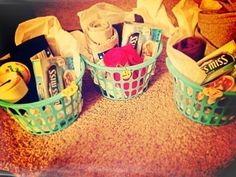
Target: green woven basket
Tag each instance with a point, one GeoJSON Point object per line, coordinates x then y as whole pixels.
{"type": "Point", "coordinates": [191, 101]}
{"type": "Point", "coordinates": [125, 82]}
{"type": "Point", "coordinates": [50, 115]}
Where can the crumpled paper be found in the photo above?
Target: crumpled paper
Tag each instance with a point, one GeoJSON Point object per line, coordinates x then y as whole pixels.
{"type": "Point", "coordinates": [61, 42]}
{"type": "Point", "coordinates": [102, 10]}
{"type": "Point", "coordinates": [154, 12]}
{"type": "Point", "coordinates": [82, 45]}
{"type": "Point", "coordinates": [186, 13]}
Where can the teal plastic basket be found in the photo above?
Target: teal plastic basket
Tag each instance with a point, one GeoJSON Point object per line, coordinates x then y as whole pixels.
{"type": "Point", "coordinates": [191, 101]}
{"type": "Point", "coordinates": [50, 115]}
{"type": "Point", "coordinates": [124, 82]}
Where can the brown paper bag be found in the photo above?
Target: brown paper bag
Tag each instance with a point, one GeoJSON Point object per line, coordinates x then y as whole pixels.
{"type": "Point", "coordinates": [217, 28]}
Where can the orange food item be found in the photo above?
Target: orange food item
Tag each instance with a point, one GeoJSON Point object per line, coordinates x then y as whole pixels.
{"type": "Point", "coordinates": [224, 83]}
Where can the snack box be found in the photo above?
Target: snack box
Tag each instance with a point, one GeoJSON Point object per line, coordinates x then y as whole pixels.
{"type": "Point", "coordinates": [52, 75]}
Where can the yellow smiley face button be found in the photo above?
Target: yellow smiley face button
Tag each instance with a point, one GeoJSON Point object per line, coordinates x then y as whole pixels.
{"type": "Point", "coordinates": [126, 74]}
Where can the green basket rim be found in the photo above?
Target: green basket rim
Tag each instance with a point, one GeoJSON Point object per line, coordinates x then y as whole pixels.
{"type": "Point", "coordinates": [176, 73]}
{"type": "Point", "coordinates": [45, 101]}
{"type": "Point", "coordinates": [134, 67]}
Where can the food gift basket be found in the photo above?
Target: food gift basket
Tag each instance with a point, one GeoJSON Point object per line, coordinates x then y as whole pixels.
{"type": "Point", "coordinates": [42, 85]}
{"type": "Point", "coordinates": [204, 71]}
{"type": "Point", "coordinates": [194, 103]}
{"type": "Point", "coordinates": [50, 115]}
{"type": "Point", "coordinates": [121, 53]}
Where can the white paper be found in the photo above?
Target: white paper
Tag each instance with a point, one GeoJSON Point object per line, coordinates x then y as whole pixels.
{"type": "Point", "coordinates": [60, 41]}
{"type": "Point", "coordinates": [186, 12]}
{"type": "Point", "coordinates": [105, 11]}
{"type": "Point", "coordinates": [154, 12]}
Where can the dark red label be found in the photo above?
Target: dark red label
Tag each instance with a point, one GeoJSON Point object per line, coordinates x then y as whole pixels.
{"type": "Point", "coordinates": [133, 39]}
{"type": "Point", "coordinates": [52, 80]}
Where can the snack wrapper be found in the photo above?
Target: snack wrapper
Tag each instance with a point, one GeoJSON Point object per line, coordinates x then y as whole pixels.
{"type": "Point", "coordinates": [136, 34]}
{"type": "Point", "coordinates": [52, 75]}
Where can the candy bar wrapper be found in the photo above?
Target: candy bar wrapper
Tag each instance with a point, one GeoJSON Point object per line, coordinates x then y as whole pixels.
{"type": "Point", "coordinates": [151, 46]}
{"type": "Point", "coordinates": [71, 72]}
{"type": "Point", "coordinates": [229, 47]}
{"type": "Point", "coordinates": [135, 34]}
{"type": "Point", "coordinates": [48, 72]}
{"type": "Point", "coordinates": [46, 53]}
{"type": "Point", "coordinates": [149, 49]}
{"type": "Point", "coordinates": [52, 75]}
{"type": "Point", "coordinates": [141, 36]}
{"type": "Point", "coordinates": [217, 66]}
